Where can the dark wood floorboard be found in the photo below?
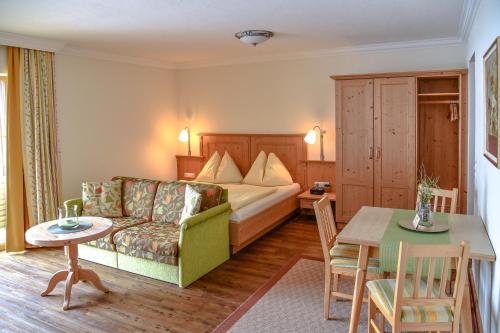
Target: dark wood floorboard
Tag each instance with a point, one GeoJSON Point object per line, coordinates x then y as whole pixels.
{"type": "Point", "coordinates": [141, 304]}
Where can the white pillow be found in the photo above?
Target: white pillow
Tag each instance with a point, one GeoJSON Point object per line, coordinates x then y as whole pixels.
{"type": "Point", "coordinates": [276, 173]}
{"type": "Point", "coordinates": [256, 173]}
{"type": "Point", "coordinates": [207, 174]}
{"type": "Point", "coordinates": [192, 203]}
{"type": "Point", "coordinates": [228, 172]}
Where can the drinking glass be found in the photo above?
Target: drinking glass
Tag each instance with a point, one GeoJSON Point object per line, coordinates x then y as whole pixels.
{"type": "Point", "coordinates": [75, 211]}
{"type": "Point", "coordinates": [60, 215]}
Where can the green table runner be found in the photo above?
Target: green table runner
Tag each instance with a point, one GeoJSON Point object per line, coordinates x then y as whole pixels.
{"type": "Point", "coordinates": [394, 234]}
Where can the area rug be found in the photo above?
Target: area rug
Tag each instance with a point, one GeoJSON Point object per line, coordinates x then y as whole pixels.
{"type": "Point", "coordinates": [293, 302]}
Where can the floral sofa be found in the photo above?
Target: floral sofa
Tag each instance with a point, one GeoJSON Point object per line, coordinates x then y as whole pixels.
{"type": "Point", "coordinates": [148, 240]}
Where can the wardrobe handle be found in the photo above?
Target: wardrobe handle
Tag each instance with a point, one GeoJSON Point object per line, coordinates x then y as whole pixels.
{"type": "Point", "coordinates": [370, 153]}
{"type": "Point", "coordinates": [379, 153]}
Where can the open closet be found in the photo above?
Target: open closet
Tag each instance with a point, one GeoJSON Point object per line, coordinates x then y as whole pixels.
{"type": "Point", "coordinates": [439, 122]}
{"type": "Point", "coordinates": [388, 125]}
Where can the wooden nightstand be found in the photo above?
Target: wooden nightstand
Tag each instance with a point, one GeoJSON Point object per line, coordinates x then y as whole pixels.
{"type": "Point", "coordinates": [307, 199]}
{"type": "Point", "coordinates": [188, 167]}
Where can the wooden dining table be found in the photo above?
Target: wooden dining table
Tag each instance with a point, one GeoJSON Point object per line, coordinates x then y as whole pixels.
{"type": "Point", "coordinates": [367, 228]}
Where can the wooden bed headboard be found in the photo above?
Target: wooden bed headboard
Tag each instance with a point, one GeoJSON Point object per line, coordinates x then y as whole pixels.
{"type": "Point", "coordinates": [244, 148]}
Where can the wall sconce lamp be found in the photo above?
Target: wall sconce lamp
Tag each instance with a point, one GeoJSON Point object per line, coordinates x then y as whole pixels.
{"type": "Point", "coordinates": [310, 138]}
{"type": "Point", "coordinates": [185, 136]}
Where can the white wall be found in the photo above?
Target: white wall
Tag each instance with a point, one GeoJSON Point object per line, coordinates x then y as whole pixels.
{"type": "Point", "coordinates": [485, 29]}
{"type": "Point", "coordinates": [288, 96]}
{"type": "Point", "coordinates": [114, 119]}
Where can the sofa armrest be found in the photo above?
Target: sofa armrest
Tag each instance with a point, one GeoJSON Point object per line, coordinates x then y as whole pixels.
{"type": "Point", "coordinates": [68, 204]}
{"type": "Point", "coordinates": [203, 243]}
{"type": "Point", "coordinates": [203, 216]}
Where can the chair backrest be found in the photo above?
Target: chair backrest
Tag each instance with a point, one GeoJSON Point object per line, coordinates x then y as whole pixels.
{"type": "Point", "coordinates": [326, 225]}
{"type": "Point", "coordinates": [437, 194]}
{"type": "Point", "coordinates": [436, 259]}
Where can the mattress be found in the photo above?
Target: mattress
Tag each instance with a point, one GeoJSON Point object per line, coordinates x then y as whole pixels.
{"type": "Point", "coordinates": [241, 195]}
{"type": "Point", "coordinates": [281, 193]}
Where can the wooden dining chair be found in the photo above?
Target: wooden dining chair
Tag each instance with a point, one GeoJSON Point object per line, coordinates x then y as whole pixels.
{"type": "Point", "coordinates": [420, 303]}
{"type": "Point", "coordinates": [438, 194]}
{"type": "Point", "coordinates": [340, 259]}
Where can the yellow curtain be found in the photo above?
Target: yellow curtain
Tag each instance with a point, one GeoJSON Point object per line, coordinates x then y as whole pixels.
{"type": "Point", "coordinates": [16, 198]}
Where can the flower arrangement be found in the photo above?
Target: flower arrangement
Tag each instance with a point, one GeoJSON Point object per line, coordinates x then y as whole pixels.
{"type": "Point", "coordinates": [426, 184]}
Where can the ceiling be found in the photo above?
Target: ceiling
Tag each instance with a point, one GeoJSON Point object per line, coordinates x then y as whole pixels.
{"type": "Point", "coordinates": [183, 32]}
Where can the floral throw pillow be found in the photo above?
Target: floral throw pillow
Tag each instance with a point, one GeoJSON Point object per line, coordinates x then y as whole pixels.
{"type": "Point", "coordinates": [102, 198]}
{"type": "Point", "coordinates": [192, 203]}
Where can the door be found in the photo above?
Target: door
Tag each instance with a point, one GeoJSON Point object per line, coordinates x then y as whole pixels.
{"type": "Point", "coordinates": [395, 142]}
{"type": "Point", "coordinates": [354, 146]}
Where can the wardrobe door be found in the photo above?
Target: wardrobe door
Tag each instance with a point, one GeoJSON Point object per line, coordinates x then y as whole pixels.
{"type": "Point", "coordinates": [354, 146]}
{"type": "Point", "coordinates": [395, 143]}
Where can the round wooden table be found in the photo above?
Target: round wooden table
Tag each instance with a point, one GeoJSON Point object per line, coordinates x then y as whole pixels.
{"type": "Point", "coordinates": [41, 236]}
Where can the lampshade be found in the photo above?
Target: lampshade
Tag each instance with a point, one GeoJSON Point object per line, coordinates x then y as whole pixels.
{"type": "Point", "coordinates": [310, 137]}
{"type": "Point", "coordinates": [184, 135]}
{"type": "Point", "coordinates": [254, 40]}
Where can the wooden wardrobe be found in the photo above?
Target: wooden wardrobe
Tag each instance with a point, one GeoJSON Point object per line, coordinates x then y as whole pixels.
{"type": "Point", "coordinates": [387, 126]}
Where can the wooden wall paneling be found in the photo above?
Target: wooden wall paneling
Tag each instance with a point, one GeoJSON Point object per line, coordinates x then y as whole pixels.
{"type": "Point", "coordinates": [320, 171]}
{"type": "Point", "coordinates": [354, 146]}
{"type": "Point", "coordinates": [394, 142]}
{"type": "Point", "coordinates": [237, 145]}
{"type": "Point", "coordinates": [290, 149]}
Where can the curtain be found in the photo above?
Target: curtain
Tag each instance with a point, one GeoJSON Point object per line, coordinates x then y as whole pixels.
{"type": "Point", "coordinates": [16, 198]}
{"type": "Point", "coordinates": [41, 164]}
{"type": "Point", "coordinates": [33, 178]}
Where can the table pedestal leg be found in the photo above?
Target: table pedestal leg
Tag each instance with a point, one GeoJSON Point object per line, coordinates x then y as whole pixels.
{"type": "Point", "coordinates": [91, 276]}
{"type": "Point", "coordinates": [54, 280]}
{"type": "Point", "coordinates": [72, 275]}
{"type": "Point", "coordinates": [359, 288]}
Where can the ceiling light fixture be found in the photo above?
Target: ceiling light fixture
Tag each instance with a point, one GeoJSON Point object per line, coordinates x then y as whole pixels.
{"type": "Point", "coordinates": [254, 37]}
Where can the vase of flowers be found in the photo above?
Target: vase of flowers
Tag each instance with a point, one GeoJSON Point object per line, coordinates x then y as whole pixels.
{"type": "Point", "coordinates": [426, 185]}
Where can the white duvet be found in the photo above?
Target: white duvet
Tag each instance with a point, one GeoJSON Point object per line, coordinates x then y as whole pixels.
{"type": "Point", "coordinates": [241, 195]}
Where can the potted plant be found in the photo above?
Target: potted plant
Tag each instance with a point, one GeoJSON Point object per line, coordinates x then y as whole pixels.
{"type": "Point", "coordinates": [426, 184]}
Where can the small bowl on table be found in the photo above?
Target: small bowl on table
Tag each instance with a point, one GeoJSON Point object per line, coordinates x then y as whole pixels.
{"type": "Point", "coordinates": [68, 224]}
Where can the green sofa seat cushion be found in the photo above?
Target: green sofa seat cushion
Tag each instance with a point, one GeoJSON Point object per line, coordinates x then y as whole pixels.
{"type": "Point", "coordinates": [156, 241]}
{"type": "Point", "coordinates": [119, 223]}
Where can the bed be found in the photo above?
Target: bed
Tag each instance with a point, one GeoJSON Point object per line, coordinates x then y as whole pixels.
{"type": "Point", "coordinates": [255, 217]}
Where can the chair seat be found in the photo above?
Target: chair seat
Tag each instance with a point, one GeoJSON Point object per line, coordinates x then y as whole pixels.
{"type": "Point", "coordinates": [156, 241]}
{"type": "Point", "coordinates": [382, 292]}
{"type": "Point", "coordinates": [352, 263]}
{"type": "Point", "coordinates": [345, 250]}
{"type": "Point", "coordinates": [119, 223]}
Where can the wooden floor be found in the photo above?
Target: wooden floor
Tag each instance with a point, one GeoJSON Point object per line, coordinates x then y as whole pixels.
{"type": "Point", "coordinates": [137, 303]}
